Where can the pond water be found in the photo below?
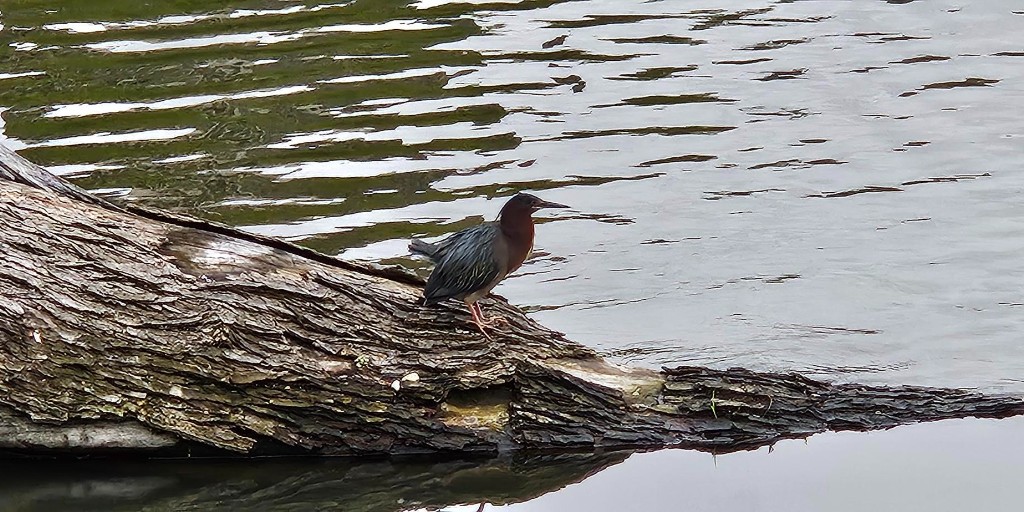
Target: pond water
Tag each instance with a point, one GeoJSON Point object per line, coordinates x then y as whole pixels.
{"type": "Point", "coordinates": [827, 187]}
{"type": "Point", "coordinates": [946, 466]}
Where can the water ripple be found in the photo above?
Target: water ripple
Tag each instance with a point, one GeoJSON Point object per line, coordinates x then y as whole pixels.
{"type": "Point", "coordinates": [350, 126]}
{"type": "Point", "coordinates": [259, 38]}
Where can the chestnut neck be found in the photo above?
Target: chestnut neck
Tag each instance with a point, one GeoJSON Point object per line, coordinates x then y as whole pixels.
{"type": "Point", "coordinates": [517, 224]}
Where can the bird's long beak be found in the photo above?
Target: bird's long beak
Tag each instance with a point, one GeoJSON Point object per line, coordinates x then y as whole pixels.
{"type": "Point", "coordinates": [549, 204]}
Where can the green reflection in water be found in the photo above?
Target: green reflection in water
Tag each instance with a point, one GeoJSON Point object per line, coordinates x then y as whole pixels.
{"type": "Point", "coordinates": [225, 89]}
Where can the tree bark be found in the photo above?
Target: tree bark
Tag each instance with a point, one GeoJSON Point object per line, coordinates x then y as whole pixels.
{"type": "Point", "coordinates": [144, 332]}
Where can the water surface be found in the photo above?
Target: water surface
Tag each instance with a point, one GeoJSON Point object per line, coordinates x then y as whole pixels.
{"type": "Point", "coordinates": [946, 466]}
{"type": "Point", "coordinates": [826, 187]}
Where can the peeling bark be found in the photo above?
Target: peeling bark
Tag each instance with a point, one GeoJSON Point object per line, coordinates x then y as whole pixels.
{"type": "Point", "coordinates": [189, 334]}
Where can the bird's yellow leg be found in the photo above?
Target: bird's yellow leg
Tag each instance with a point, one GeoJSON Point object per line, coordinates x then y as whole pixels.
{"type": "Point", "coordinates": [496, 321]}
{"type": "Point", "coordinates": [480, 324]}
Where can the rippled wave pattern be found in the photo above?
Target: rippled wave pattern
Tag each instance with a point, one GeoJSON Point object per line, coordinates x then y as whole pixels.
{"type": "Point", "coordinates": [829, 187]}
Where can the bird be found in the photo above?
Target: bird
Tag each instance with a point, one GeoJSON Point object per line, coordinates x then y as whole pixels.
{"type": "Point", "coordinates": [471, 262]}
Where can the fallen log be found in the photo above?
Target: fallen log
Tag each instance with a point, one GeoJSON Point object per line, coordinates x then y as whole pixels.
{"type": "Point", "coordinates": [136, 331]}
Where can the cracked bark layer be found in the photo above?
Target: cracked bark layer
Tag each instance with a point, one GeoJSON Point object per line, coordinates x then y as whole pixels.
{"type": "Point", "coordinates": [200, 336]}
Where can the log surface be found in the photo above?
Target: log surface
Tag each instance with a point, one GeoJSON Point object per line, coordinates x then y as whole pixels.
{"type": "Point", "coordinates": [188, 335]}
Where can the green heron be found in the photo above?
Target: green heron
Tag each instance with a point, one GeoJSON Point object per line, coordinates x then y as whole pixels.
{"type": "Point", "coordinates": [470, 262]}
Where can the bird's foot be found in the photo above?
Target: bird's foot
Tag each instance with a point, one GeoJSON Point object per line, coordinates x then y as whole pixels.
{"type": "Point", "coordinates": [481, 326]}
{"type": "Point", "coordinates": [498, 321]}
{"type": "Point", "coordinates": [478, 313]}
{"type": "Point", "coordinates": [478, 319]}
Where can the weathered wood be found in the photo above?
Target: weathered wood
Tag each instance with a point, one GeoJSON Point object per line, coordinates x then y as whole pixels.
{"type": "Point", "coordinates": [187, 331]}
{"type": "Point", "coordinates": [21, 433]}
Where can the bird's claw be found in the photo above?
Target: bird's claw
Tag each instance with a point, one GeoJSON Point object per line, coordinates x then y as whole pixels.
{"type": "Point", "coordinates": [482, 323]}
{"type": "Point", "coordinates": [499, 321]}
{"type": "Point", "coordinates": [484, 331]}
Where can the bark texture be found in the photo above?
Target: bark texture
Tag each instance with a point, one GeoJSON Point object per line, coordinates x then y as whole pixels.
{"type": "Point", "coordinates": [189, 336]}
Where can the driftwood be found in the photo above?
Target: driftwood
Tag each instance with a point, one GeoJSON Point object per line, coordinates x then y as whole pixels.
{"type": "Point", "coordinates": [141, 332]}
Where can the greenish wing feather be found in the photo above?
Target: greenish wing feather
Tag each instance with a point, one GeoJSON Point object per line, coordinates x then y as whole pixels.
{"type": "Point", "coordinates": [441, 247]}
{"type": "Point", "coordinates": [436, 250]}
{"type": "Point", "coordinates": [466, 264]}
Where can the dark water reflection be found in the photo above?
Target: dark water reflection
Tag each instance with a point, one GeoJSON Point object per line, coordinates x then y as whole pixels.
{"type": "Point", "coordinates": [952, 465]}
{"type": "Point", "coordinates": [301, 484]}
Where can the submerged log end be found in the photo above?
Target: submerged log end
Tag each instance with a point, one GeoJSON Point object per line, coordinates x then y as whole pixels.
{"type": "Point", "coordinates": [22, 435]}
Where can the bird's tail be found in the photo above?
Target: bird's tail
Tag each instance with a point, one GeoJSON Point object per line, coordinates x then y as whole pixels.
{"type": "Point", "coordinates": [427, 249]}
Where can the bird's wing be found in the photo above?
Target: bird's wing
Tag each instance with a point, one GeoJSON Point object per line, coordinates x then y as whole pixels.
{"type": "Point", "coordinates": [467, 263]}
{"type": "Point", "coordinates": [428, 249]}
{"type": "Point", "coordinates": [436, 250]}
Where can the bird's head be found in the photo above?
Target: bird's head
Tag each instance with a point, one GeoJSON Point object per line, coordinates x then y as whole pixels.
{"type": "Point", "coordinates": [523, 202]}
